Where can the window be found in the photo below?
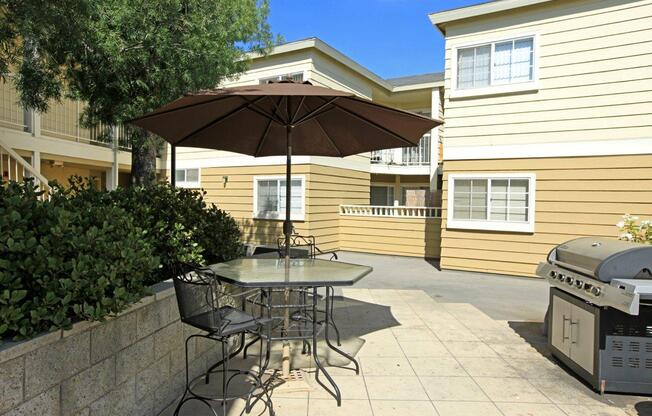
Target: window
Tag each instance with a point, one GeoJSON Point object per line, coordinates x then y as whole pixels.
{"type": "Point", "coordinates": [382, 195]}
{"type": "Point", "coordinates": [496, 64]}
{"type": "Point", "coordinates": [269, 198]}
{"type": "Point", "coordinates": [501, 202]}
{"type": "Point", "coordinates": [296, 77]}
{"type": "Point", "coordinates": [187, 178]}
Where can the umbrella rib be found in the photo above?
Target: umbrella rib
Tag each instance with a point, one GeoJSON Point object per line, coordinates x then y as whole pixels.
{"type": "Point", "coordinates": [376, 125]}
{"type": "Point", "coordinates": [337, 149]}
{"type": "Point", "coordinates": [277, 111]}
{"type": "Point", "coordinates": [296, 113]}
{"type": "Point", "coordinates": [255, 108]}
{"type": "Point", "coordinates": [262, 140]}
{"type": "Point", "coordinates": [314, 113]}
{"type": "Point", "coordinates": [217, 120]}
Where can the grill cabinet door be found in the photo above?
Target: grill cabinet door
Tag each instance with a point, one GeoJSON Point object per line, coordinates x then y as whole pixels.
{"type": "Point", "coordinates": [561, 331]}
{"type": "Point", "coordinates": [582, 340]}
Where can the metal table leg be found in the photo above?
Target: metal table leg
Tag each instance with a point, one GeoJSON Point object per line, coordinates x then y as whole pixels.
{"type": "Point", "coordinates": [330, 292]}
{"type": "Point", "coordinates": [335, 391]}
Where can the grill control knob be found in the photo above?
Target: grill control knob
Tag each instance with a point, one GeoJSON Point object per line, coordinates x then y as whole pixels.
{"type": "Point", "coordinates": [553, 274]}
{"type": "Point", "coordinates": [595, 291]}
{"type": "Point", "coordinates": [579, 284]}
{"type": "Point", "coordinates": [588, 287]}
{"type": "Point", "coordinates": [561, 277]}
{"type": "Point", "coordinates": [570, 280]}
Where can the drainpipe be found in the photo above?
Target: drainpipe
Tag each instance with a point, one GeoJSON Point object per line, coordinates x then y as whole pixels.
{"type": "Point", "coordinates": [112, 183]}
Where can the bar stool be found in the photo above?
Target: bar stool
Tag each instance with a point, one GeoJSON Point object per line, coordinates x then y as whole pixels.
{"type": "Point", "coordinates": [202, 304]}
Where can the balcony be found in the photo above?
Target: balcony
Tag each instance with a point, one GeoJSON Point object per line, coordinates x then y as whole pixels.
{"type": "Point", "coordinates": [403, 160]}
{"type": "Point", "coordinates": [61, 121]}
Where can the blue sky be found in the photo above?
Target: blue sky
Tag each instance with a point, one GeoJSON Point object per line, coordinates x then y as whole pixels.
{"type": "Point", "coordinates": [390, 37]}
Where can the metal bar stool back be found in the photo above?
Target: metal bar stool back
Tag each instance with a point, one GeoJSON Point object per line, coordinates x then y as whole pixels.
{"type": "Point", "coordinates": [205, 304]}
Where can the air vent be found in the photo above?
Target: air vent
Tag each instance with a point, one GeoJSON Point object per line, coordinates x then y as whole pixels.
{"type": "Point", "coordinates": [616, 345]}
{"type": "Point", "coordinates": [619, 329]}
{"type": "Point", "coordinates": [648, 363]}
{"type": "Point", "coordinates": [648, 331]}
{"type": "Point", "coordinates": [634, 346]}
{"type": "Point", "coordinates": [648, 347]}
{"type": "Point", "coordinates": [617, 362]}
{"type": "Point", "coordinates": [634, 362]}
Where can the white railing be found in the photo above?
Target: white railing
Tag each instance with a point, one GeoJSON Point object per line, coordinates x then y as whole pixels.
{"type": "Point", "coordinates": [390, 211]}
{"type": "Point", "coordinates": [13, 167]}
{"type": "Point", "coordinates": [404, 156]}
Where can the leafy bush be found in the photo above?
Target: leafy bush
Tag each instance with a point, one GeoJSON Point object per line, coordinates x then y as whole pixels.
{"type": "Point", "coordinates": [631, 229]}
{"type": "Point", "coordinates": [180, 224]}
{"type": "Point", "coordinates": [86, 253]}
{"type": "Point", "coordinates": [60, 265]}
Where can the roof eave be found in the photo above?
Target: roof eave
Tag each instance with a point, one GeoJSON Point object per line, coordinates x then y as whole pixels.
{"type": "Point", "coordinates": [439, 19]}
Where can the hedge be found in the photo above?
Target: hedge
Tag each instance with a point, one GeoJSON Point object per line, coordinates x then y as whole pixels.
{"type": "Point", "coordinates": [86, 254]}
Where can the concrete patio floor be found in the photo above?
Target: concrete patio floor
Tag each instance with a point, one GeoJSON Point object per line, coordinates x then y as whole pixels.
{"type": "Point", "coordinates": [441, 358]}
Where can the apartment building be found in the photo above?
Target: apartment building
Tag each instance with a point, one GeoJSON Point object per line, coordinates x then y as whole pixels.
{"type": "Point", "coordinates": [548, 132]}
{"type": "Point", "coordinates": [332, 197]}
{"type": "Point", "coordinates": [54, 146]}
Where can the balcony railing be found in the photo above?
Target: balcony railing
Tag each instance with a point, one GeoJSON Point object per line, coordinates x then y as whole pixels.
{"type": "Point", "coordinates": [405, 156]}
{"type": "Point", "coordinates": [61, 121]}
{"type": "Point", "coordinates": [390, 211]}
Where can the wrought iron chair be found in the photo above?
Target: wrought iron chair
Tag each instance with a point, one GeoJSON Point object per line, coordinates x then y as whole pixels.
{"type": "Point", "coordinates": [205, 304]}
{"type": "Point", "coordinates": [305, 246]}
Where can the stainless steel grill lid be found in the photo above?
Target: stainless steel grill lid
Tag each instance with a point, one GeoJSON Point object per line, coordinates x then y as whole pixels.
{"type": "Point", "coordinates": [604, 259]}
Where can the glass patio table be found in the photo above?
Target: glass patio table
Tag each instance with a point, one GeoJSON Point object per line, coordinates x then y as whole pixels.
{"type": "Point", "coordinates": [306, 276]}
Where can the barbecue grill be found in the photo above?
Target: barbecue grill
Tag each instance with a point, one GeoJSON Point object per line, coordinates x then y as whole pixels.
{"type": "Point", "coordinates": [600, 313]}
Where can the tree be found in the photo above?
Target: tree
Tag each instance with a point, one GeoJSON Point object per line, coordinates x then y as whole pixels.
{"type": "Point", "coordinates": [128, 57]}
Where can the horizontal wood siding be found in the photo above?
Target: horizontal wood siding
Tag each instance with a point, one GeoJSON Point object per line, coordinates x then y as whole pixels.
{"type": "Point", "coordinates": [575, 197]}
{"type": "Point", "coordinates": [595, 76]}
{"type": "Point", "coordinates": [417, 237]}
{"type": "Point", "coordinates": [326, 188]}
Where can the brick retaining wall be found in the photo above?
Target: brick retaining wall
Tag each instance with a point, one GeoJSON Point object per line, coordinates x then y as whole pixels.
{"type": "Point", "coordinates": [132, 364]}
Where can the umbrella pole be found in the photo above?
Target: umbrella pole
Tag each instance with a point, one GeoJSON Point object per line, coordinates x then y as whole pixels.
{"type": "Point", "coordinates": [287, 230]}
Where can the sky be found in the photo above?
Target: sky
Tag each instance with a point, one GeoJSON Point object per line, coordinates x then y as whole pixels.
{"type": "Point", "coordinates": [392, 38]}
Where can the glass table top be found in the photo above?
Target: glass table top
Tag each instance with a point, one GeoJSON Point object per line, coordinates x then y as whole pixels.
{"type": "Point", "coordinates": [260, 272]}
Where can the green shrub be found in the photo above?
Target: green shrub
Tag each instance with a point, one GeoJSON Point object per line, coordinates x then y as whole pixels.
{"type": "Point", "coordinates": [180, 225]}
{"type": "Point", "coordinates": [631, 229]}
{"type": "Point", "coordinates": [60, 265]}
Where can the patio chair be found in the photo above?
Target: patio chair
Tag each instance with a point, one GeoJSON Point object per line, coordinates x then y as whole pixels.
{"type": "Point", "coordinates": [305, 246]}
{"type": "Point", "coordinates": [205, 304]}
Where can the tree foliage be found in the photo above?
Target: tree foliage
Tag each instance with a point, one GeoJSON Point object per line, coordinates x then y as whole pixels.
{"type": "Point", "coordinates": [127, 57]}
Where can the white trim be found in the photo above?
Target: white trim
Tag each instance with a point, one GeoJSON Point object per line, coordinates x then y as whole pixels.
{"type": "Point", "coordinates": [338, 56]}
{"type": "Point", "coordinates": [189, 184]}
{"type": "Point", "coordinates": [439, 18]}
{"type": "Point", "coordinates": [497, 89]}
{"type": "Point", "coordinates": [488, 225]}
{"type": "Point", "coordinates": [559, 149]}
{"type": "Point", "coordinates": [280, 216]}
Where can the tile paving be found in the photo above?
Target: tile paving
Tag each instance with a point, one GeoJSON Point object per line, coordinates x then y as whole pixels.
{"type": "Point", "coordinates": [429, 358]}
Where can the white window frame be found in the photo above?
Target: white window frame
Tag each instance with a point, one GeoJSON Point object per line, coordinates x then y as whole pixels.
{"type": "Point", "coordinates": [492, 225]}
{"type": "Point", "coordinates": [283, 76]}
{"type": "Point", "coordinates": [496, 89]}
{"type": "Point", "coordinates": [280, 215]}
{"type": "Point", "coordinates": [188, 184]}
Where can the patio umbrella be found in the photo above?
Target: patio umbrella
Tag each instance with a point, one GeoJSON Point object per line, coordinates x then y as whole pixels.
{"type": "Point", "coordinates": [284, 119]}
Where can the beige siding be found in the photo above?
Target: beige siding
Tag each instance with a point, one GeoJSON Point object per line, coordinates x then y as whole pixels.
{"type": "Point", "coordinates": [326, 189]}
{"type": "Point", "coordinates": [595, 72]}
{"type": "Point", "coordinates": [417, 237]}
{"type": "Point", "coordinates": [575, 197]}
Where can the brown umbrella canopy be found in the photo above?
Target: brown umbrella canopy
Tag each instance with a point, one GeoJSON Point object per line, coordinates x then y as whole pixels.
{"type": "Point", "coordinates": [253, 120]}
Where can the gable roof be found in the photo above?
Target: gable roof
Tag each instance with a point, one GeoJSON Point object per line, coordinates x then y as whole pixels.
{"type": "Point", "coordinates": [431, 77]}
{"type": "Point", "coordinates": [439, 19]}
{"type": "Point", "coordinates": [408, 83]}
